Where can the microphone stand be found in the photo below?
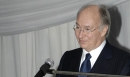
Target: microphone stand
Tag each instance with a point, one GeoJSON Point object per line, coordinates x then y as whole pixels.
{"type": "Point", "coordinates": [54, 72]}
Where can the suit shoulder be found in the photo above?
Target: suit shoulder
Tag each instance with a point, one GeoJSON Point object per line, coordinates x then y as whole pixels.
{"type": "Point", "coordinates": [75, 50]}
{"type": "Point", "coordinates": [72, 53]}
{"type": "Point", "coordinates": [120, 52]}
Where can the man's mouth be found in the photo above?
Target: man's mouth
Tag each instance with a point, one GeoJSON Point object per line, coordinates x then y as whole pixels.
{"type": "Point", "coordinates": [82, 41]}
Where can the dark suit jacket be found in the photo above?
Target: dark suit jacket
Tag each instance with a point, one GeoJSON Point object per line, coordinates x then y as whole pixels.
{"type": "Point", "coordinates": [111, 61]}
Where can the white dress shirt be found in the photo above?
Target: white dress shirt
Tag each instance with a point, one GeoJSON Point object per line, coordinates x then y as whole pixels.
{"type": "Point", "coordinates": [94, 54]}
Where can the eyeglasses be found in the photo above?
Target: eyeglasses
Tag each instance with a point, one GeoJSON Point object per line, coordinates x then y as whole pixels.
{"type": "Point", "coordinates": [85, 30]}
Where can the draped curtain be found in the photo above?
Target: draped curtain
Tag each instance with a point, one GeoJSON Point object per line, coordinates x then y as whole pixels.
{"type": "Point", "coordinates": [20, 16]}
{"type": "Point", "coordinates": [22, 55]}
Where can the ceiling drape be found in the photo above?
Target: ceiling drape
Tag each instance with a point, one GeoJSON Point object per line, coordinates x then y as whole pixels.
{"type": "Point", "coordinates": [20, 16]}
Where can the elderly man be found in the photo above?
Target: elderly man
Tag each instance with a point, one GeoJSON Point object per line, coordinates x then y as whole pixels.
{"type": "Point", "coordinates": [96, 55]}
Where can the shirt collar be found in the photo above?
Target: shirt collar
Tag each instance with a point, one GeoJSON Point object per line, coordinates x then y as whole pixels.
{"type": "Point", "coordinates": [94, 53]}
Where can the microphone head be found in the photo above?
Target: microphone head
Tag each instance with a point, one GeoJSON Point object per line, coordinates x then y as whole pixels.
{"type": "Point", "coordinates": [50, 62]}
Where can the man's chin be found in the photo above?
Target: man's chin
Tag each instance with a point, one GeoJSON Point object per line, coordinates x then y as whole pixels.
{"type": "Point", "coordinates": [83, 46]}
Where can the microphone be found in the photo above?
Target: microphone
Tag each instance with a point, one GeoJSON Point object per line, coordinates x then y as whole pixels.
{"type": "Point", "coordinates": [45, 67]}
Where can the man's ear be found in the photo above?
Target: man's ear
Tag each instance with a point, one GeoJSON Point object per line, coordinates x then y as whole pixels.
{"type": "Point", "coordinates": [104, 30]}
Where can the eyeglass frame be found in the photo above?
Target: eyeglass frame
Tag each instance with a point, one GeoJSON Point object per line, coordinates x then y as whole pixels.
{"type": "Point", "coordinates": [89, 31]}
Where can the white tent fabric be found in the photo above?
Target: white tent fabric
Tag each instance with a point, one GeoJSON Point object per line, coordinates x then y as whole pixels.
{"type": "Point", "coordinates": [21, 55]}
{"type": "Point", "coordinates": [20, 16]}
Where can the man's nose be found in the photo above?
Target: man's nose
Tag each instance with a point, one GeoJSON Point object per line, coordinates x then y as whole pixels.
{"type": "Point", "coordinates": [81, 34]}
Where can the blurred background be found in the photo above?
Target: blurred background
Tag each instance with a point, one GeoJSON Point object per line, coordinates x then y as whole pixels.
{"type": "Point", "coordinates": [33, 30]}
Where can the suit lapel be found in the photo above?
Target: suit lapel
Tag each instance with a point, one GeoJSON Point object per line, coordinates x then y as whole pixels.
{"type": "Point", "coordinates": [102, 62]}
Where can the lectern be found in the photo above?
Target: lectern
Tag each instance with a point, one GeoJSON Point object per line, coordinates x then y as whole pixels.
{"type": "Point", "coordinates": [54, 72]}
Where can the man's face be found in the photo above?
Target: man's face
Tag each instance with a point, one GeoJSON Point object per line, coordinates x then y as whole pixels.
{"type": "Point", "coordinates": [89, 19]}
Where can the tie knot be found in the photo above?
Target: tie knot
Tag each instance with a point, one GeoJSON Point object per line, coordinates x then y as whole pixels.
{"type": "Point", "coordinates": [88, 56]}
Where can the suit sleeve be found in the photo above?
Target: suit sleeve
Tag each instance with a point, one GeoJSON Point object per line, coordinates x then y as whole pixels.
{"type": "Point", "coordinates": [126, 68]}
{"type": "Point", "coordinates": [61, 64]}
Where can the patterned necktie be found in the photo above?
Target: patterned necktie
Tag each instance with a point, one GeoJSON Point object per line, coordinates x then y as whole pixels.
{"type": "Point", "coordinates": [86, 65]}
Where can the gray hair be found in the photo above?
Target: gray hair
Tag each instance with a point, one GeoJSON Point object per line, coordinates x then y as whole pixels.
{"type": "Point", "coordinates": [104, 15]}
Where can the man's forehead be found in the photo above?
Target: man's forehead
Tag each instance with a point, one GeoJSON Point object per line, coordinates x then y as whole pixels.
{"type": "Point", "coordinates": [77, 24]}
